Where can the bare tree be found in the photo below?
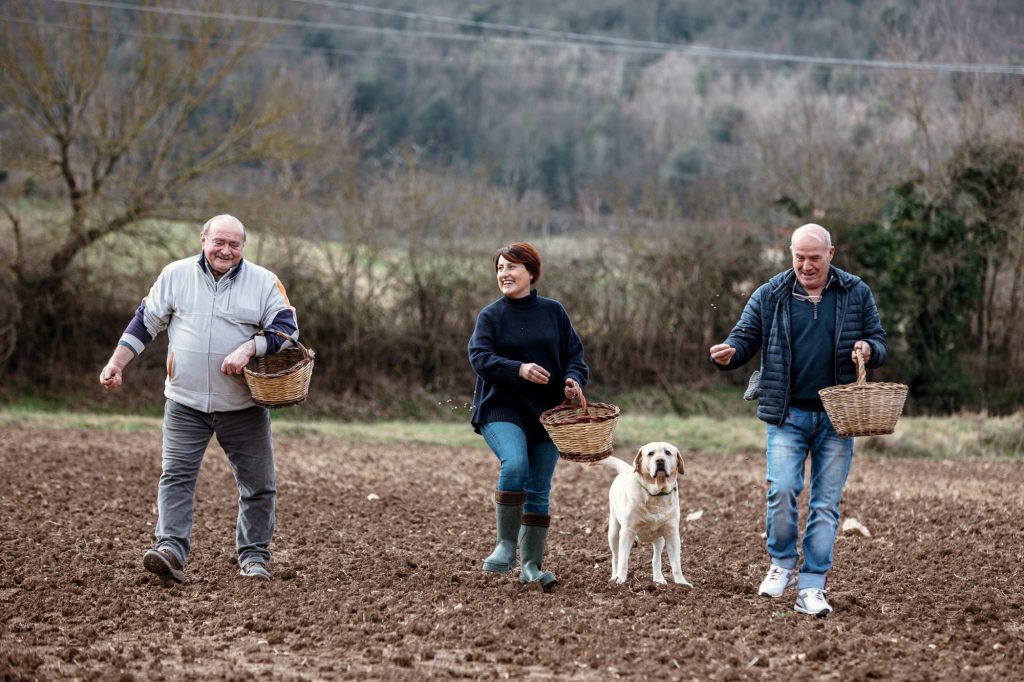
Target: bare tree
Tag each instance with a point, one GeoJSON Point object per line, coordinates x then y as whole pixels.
{"type": "Point", "coordinates": [121, 118]}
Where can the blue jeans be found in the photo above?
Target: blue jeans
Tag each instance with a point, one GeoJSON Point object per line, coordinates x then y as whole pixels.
{"type": "Point", "coordinates": [525, 465]}
{"type": "Point", "coordinates": [788, 446]}
{"type": "Point", "coordinates": [245, 437]}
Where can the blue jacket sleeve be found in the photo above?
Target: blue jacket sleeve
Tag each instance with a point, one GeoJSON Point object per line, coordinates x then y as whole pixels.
{"type": "Point", "coordinates": [745, 337]}
{"type": "Point", "coordinates": [872, 331]}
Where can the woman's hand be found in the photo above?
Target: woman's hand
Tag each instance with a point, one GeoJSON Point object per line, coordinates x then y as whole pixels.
{"type": "Point", "coordinates": [533, 372]}
{"type": "Point", "coordinates": [571, 389]}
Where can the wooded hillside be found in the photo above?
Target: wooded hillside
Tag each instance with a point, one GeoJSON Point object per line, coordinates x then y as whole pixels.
{"type": "Point", "coordinates": [658, 151]}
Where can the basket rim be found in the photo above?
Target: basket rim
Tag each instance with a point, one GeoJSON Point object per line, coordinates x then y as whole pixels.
{"type": "Point", "coordinates": [292, 369]}
{"type": "Point", "coordinates": [546, 417]}
{"type": "Point", "coordinates": [584, 417]}
{"type": "Point", "coordinates": [308, 356]}
{"type": "Point", "coordinates": [872, 386]}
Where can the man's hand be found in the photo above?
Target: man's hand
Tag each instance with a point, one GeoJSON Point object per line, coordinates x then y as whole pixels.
{"type": "Point", "coordinates": [239, 358]}
{"type": "Point", "coordinates": [722, 353]}
{"type": "Point", "coordinates": [531, 371]}
{"type": "Point", "coordinates": [110, 377]}
{"type": "Point", "coordinates": [862, 347]}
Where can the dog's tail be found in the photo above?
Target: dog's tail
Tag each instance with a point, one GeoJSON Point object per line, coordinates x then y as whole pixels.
{"type": "Point", "coordinates": [617, 464]}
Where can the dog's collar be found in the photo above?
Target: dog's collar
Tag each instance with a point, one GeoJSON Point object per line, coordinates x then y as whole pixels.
{"type": "Point", "coordinates": [640, 483]}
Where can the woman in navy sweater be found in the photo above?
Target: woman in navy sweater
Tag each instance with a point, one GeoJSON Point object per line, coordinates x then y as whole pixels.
{"type": "Point", "coordinates": [527, 357]}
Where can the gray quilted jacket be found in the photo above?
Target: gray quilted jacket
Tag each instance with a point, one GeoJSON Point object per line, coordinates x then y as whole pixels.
{"type": "Point", "coordinates": [764, 325]}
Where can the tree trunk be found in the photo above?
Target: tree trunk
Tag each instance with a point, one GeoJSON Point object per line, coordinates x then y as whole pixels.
{"type": "Point", "coordinates": [44, 318]}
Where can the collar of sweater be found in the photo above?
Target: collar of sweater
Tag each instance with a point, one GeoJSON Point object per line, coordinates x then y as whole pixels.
{"type": "Point", "coordinates": [524, 302]}
{"type": "Point", "coordinates": [204, 265]}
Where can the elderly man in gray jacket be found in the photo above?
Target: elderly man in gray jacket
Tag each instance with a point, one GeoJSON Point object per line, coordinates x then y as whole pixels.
{"type": "Point", "coordinates": [809, 323]}
{"type": "Point", "coordinates": [215, 309]}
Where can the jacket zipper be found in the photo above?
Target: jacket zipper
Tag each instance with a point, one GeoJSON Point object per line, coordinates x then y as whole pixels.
{"type": "Point", "coordinates": [789, 364]}
{"type": "Point", "coordinates": [840, 318]}
{"type": "Point", "coordinates": [209, 340]}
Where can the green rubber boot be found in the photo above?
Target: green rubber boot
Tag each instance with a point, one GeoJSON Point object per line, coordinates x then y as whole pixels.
{"type": "Point", "coordinates": [532, 538]}
{"type": "Point", "coordinates": [508, 514]}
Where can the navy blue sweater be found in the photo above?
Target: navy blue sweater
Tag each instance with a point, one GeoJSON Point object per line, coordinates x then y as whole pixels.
{"type": "Point", "coordinates": [508, 333]}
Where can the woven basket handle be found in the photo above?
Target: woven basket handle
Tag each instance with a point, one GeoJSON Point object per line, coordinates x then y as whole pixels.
{"type": "Point", "coordinates": [583, 400]}
{"type": "Point", "coordinates": [308, 353]}
{"type": "Point", "coordinates": [862, 374]}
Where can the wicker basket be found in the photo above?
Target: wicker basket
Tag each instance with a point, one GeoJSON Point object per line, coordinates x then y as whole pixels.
{"type": "Point", "coordinates": [863, 409]}
{"type": "Point", "coordinates": [584, 433]}
{"type": "Point", "coordinates": [280, 379]}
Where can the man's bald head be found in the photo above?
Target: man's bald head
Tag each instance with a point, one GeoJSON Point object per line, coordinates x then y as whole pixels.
{"type": "Point", "coordinates": [224, 220]}
{"type": "Point", "coordinates": [811, 233]}
{"type": "Point", "coordinates": [812, 251]}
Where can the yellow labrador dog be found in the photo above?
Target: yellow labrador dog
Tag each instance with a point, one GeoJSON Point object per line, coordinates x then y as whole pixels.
{"type": "Point", "coordinates": [643, 505]}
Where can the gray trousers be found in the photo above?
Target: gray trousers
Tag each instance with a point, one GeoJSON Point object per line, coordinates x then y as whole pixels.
{"type": "Point", "coordinates": [245, 437]}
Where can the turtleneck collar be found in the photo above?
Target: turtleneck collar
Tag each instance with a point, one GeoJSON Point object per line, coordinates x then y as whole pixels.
{"type": "Point", "coordinates": [524, 302]}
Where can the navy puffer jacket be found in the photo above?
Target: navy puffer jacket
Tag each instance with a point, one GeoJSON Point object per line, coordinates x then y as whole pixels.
{"type": "Point", "coordinates": [764, 325]}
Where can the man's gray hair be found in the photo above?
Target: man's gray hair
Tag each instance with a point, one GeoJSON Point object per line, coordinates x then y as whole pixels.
{"type": "Point", "coordinates": [224, 216]}
{"type": "Point", "coordinates": [816, 232]}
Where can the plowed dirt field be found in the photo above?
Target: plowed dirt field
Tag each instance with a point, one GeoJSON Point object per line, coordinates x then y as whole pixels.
{"type": "Point", "coordinates": [377, 573]}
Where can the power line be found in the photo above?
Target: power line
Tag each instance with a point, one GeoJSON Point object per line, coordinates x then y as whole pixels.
{"type": "Point", "coordinates": [302, 23]}
{"type": "Point", "coordinates": [378, 54]}
{"type": "Point", "coordinates": [308, 49]}
{"type": "Point", "coordinates": [469, 23]}
{"type": "Point", "coordinates": [694, 50]}
{"type": "Point", "coordinates": [595, 42]}
{"type": "Point", "coordinates": [272, 21]}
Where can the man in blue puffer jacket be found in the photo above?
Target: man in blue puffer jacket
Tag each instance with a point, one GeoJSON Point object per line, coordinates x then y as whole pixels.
{"type": "Point", "coordinates": [808, 322]}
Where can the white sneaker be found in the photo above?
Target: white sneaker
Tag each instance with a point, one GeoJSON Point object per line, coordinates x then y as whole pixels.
{"type": "Point", "coordinates": [812, 601]}
{"type": "Point", "coordinates": [776, 581]}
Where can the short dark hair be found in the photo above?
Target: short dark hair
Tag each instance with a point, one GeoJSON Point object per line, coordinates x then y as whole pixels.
{"type": "Point", "coordinates": [523, 253]}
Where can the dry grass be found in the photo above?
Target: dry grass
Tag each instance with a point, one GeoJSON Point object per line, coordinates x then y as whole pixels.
{"type": "Point", "coordinates": [961, 436]}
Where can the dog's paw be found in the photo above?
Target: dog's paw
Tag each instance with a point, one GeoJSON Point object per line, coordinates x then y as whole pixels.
{"type": "Point", "coordinates": [681, 580]}
{"type": "Point", "coordinates": [660, 579]}
{"type": "Point", "coordinates": [617, 580]}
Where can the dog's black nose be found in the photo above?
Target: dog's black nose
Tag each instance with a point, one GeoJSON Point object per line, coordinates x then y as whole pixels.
{"type": "Point", "coordinates": [659, 464]}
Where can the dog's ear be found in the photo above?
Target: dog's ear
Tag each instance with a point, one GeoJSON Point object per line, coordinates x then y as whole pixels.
{"type": "Point", "coordinates": [636, 460]}
{"type": "Point", "coordinates": [679, 463]}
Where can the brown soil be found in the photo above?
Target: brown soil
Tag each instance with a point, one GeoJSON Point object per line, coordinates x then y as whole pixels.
{"type": "Point", "coordinates": [390, 588]}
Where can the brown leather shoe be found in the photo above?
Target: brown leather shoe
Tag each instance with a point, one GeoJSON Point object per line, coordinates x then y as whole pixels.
{"type": "Point", "coordinates": [163, 563]}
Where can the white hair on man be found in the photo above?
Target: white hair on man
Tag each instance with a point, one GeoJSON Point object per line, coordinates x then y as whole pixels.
{"type": "Point", "coordinates": [225, 218]}
{"type": "Point", "coordinates": [813, 231]}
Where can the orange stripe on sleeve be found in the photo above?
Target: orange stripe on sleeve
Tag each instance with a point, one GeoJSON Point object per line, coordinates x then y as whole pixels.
{"type": "Point", "coordinates": [280, 287]}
